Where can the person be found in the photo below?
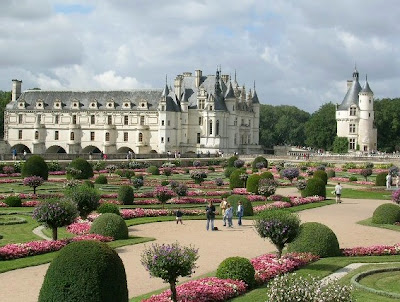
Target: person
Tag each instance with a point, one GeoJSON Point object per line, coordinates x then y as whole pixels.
{"type": "Point", "coordinates": [397, 180]}
{"type": "Point", "coordinates": [388, 181]}
{"type": "Point", "coordinates": [228, 215]}
{"type": "Point", "coordinates": [90, 155]}
{"type": "Point", "coordinates": [338, 192]}
{"type": "Point", "coordinates": [104, 156]}
{"type": "Point", "coordinates": [210, 214]}
{"type": "Point", "coordinates": [223, 206]}
{"type": "Point", "coordinates": [14, 154]}
{"type": "Point", "coordinates": [24, 155]}
{"type": "Point", "coordinates": [179, 215]}
{"type": "Point", "coordinates": [240, 212]}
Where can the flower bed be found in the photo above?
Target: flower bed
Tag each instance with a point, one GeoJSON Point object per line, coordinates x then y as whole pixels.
{"type": "Point", "coordinates": [294, 201]}
{"type": "Point", "coordinates": [204, 290]}
{"type": "Point", "coordinates": [273, 205]}
{"type": "Point", "coordinates": [375, 250]}
{"type": "Point", "coordinates": [20, 250]}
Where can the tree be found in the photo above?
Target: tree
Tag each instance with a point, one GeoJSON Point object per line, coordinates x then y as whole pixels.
{"type": "Point", "coordinates": [163, 194]}
{"type": "Point", "coordinates": [279, 226]}
{"type": "Point", "coordinates": [55, 213]}
{"type": "Point", "coordinates": [33, 182]}
{"type": "Point", "coordinates": [320, 129]}
{"type": "Point", "coordinates": [291, 173]}
{"type": "Point", "coordinates": [85, 198]}
{"type": "Point", "coordinates": [170, 261]}
{"type": "Point", "coordinates": [340, 145]}
{"type": "Point", "coordinates": [387, 121]}
{"type": "Point", "coordinates": [5, 98]}
{"type": "Point", "coordinates": [366, 172]}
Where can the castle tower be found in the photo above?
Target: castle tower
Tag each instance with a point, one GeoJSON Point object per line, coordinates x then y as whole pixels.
{"type": "Point", "coordinates": [366, 132]}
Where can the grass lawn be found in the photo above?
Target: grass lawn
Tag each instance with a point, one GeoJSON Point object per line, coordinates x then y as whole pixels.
{"type": "Point", "coordinates": [364, 194]}
{"type": "Point", "coordinates": [368, 222]}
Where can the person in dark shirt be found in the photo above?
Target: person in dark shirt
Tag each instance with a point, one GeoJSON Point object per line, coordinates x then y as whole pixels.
{"type": "Point", "coordinates": [210, 214]}
{"type": "Point", "coordinates": [179, 215]}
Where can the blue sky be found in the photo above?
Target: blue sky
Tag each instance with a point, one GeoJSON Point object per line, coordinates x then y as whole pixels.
{"type": "Point", "coordinates": [299, 52]}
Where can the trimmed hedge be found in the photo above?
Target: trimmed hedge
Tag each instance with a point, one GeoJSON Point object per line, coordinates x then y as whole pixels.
{"type": "Point", "coordinates": [317, 239]}
{"type": "Point", "coordinates": [380, 179]}
{"type": "Point", "coordinates": [387, 213]}
{"type": "Point", "coordinates": [234, 179]}
{"type": "Point", "coordinates": [252, 183]}
{"type": "Point", "coordinates": [35, 166]}
{"type": "Point", "coordinates": [125, 195]}
{"type": "Point", "coordinates": [267, 175]}
{"type": "Point", "coordinates": [86, 199]}
{"type": "Point", "coordinates": [315, 186]}
{"type": "Point", "coordinates": [108, 208]}
{"type": "Point", "coordinates": [330, 173]}
{"type": "Point", "coordinates": [101, 180]}
{"type": "Point", "coordinates": [110, 224]}
{"type": "Point", "coordinates": [247, 206]}
{"type": "Point", "coordinates": [87, 271]}
{"type": "Point", "coordinates": [259, 159]}
{"type": "Point", "coordinates": [237, 268]}
{"type": "Point", "coordinates": [13, 201]}
{"type": "Point", "coordinates": [153, 170]}
{"type": "Point", "coordinates": [322, 175]}
{"type": "Point", "coordinates": [231, 161]}
{"type": "Point", "coordinates": [228, 171]}
{"type": "Point", "coordinates": [84, 166]}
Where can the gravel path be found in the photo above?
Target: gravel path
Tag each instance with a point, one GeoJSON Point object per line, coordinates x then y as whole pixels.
{"type": "Point", "coordinates": [23, 285]}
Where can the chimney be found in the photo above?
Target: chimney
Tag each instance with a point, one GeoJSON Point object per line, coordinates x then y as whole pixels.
{"type": "Point", "coordinates": [16, 90]}
{"type": "Point", "coordinates": [198, 74]}
{"type": "Point", "coordinates": [349, 83]}
{"type": "Point", "coordinates": [178, 86]}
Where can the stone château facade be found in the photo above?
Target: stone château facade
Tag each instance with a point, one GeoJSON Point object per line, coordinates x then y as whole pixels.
{"type": "Point", "coordinates": [200, 114]}
{"type": "Point", "coordinates": [355, 116]}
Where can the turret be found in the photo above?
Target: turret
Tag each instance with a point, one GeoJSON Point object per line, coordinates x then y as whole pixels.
{"type": "Point", "coordinates": [366, 97]}
{"type": "Point", "coordinates": [16, 90]}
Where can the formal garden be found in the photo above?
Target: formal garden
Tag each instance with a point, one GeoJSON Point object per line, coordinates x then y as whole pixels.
{"type": "Point", "coordinates": [85, 210]}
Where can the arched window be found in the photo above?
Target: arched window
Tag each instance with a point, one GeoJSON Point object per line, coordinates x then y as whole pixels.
{"type": "Point", "coordinates": [140, 137]}
{"type": "Point", "coordinates": [217, 127]}
{"type": "Point", "coordinates": [36, 134]}
{"type": "Point", "coordinates": [72, 136]}
{"type": "Point", "coordinates": [211, 129]}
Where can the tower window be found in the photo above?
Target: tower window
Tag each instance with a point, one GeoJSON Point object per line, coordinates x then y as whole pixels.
{"type": "Point", "coordinates": [56, 135]}
{"type": "Point", "coordinates": [352, 144]}
{"type": "Point", "coordinates": [125, 136]}
{"type": "Point", "coordinates": [142, 120]}
{"type": "Point", "coordinates": [107, 136]}
{"type": "Point", "coordinates": [92, 119]}
{"type": "Point", "coordinates": [20, 118]}
{"type": "Point", "coordinates": [74, 119]}
{"type": "Point", "coordinates": [169, 123]}
{"type": "Point", "coordinates": [217, 127]}
{"type": "Point", "coordinates": [198, 138]}
{"type": "Point", "coordinates": [352, 128]}
{"type": "Point", "coordinates": [72, 136]}
{"type": "Point", "coordinates": [162, 122]}
{"type": "Point", "coordinates": [57, 119]}
{"type": "Point", "coordinates": [92, 135]}
{"type": "Point", "coordinates": [353, 111]}
{"type": "Point", "coordinates": [36, 134]}
{"type": "Point", "coordinates": [162, 140]}
{"type": "Point", "coordinates": [211, 127]}
{"type": "Point", "coordinates": [126, 120]}
{"type": "Point", "coordinates": [140, 137]}
{"type": "Point", "coordinates": [109, 119]}
{"type": "Point", "coordinates": [19, 134]}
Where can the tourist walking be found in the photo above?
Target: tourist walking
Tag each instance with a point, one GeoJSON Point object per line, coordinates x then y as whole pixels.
{"type": "Point", "coordinates": [240, 212]}
{"type": "Point", "coordinates": [179, 215]}
{"type": "Point", "coordinates": [388, 181]}
{"type": "Point", "coordinates": [14, 154]}
{"type": "Point", "coordinates": [397, 180]}
{"type": "Point", "coordinates": [210, 214]}
{"type": "Point", "coordinates": [228, 215]}
{"type": "Point", "coordinates": [223, 206]}
{"type": "Point", "coordinates": [338, 193]}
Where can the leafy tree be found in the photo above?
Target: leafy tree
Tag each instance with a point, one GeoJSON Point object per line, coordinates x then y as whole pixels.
{"type": "Point", "coordinates": [163, 194]}
{"type": "Point", "coordinates": [85, 198]}
{"type": "Point", "coordinates": [320, 129]}
{"type": "Point", "coordinates": [282, 125]}
{"type": "Point", "coordinates": [170, 261]}
{"type": "Point", "coordinates": [366, 172]}
{"type": "Point", "coordinates": [55, 214]}
{"type": "Point", "coordinates": [5, 98]}
{"type": "Point", "coordinates": [387, 121]}
{"type": "Point", "coordinates": [340, 145]}
{"type": "Point", "coordinates": [291, 173]}
{"type": "Point", "coordinates": [33, 182]}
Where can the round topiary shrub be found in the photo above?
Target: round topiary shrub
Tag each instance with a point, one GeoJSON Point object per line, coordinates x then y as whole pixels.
{"type": "Point", "coordinates": [315, 186]}
{"type": "Point", "coordinates": [13, 201]}
{"type": "Point", "coordinates": [387, 213]}
{"type": "Point", "coordinates": [235, 180]}
{"type": "Point", "coordinates": [79, 168]}
{"type": "Point", "coordinates": [110, 224]}
{"type": "Point", "coordinates": [153, 170]}
{"type": "Point", "coordinates": [330, 173]}
{"type": "Point", "coordinates": [87, 271]}
{"type": "Point", "coordinates": [237, 268]}
{"type": "Point", "coordinates": [252, 183]}
{"type": "Point", "coordinates": [231, 161]}
{"type": "Point", "coordinates": [35, 166]}
{"type": "Point", "coordinates": [317, 239]}
{"type": "Point", "coordinates": [86, 199]}
{"type": "Point", "coordinates": [228, 171]}
{"type": "Point", "coordinates": [259, 159]}
{"type": "Point", "coordinates": [322, 175]}
{"type": "Point", "coordinates": [108, 208]}
{"type": "Point", "coordinates": [247, 206]}
{"type": "Point", "coordinates": [266, 175]}
{"type": "Point", "coordinates": [353, 178]}
{"type": "Point", "coordinates": [101, 180]}
{"type": "Point", "coordinates": [125, 195]}
{"type": "Point", "coordinates": [380, 179]}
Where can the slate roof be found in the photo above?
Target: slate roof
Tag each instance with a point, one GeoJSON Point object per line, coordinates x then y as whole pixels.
{"type": "Point", "coordinates": [367, 89]}
{"type": "Point", "coordinates": [351, 97]}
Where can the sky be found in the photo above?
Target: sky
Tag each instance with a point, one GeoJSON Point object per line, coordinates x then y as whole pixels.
{"type": "Point", "coordinates": [298, 52]}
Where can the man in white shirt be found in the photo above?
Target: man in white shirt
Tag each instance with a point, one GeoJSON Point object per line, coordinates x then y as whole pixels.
{"type": "Point", "coordinates": [338, 192]}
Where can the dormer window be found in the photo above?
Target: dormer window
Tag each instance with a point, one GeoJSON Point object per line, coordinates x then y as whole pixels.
{"type": "Point", "coordinates": [126, 105]}
{"type": "Point", "coordinates": [110, 105]}
{"type": "Point", "coordinates": [93, 105]}
{"type": "Point", "coordinates": [143, 105]}
{"type": "Point", "coordinates": [39, 104]}
{"type": "Point", "coordinates": [21, 105]}
{"type": "Point", "coordinates": [75, 104]}
{"type": "Point", "coordinates": [57, 104]}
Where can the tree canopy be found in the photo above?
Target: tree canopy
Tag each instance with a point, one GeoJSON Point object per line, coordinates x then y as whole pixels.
{"type": "Point", "coordinates": [5, 98]}
{"type": "Point", "coordinates": [387, 121]}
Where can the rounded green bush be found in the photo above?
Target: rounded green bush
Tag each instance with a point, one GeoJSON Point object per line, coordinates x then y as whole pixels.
{"type": "Point", "coordinates": [259, 159]}
{"type": "Point", "coordinates": [88, 183]}
{"type": "Point", "coordinates": [266, 175]}
{"type": "Point", "coordinates": [380, 179]}
{"type": "Point", "coordinates": [322, 175]}
{"type": "Point", "coordinates": [317, 239]}
{"type": "Point", "coordinates": [330, 173]}
{"type": "Point", "coordinates": [87, 271]}
{"type": "Point", "coordinates": [315, 186]}
{"type": "Point", "coordinates": [101, 180]}
{"type": "Point", "coordinates": [237, 268]}
{"type": "Point", "coordinates": [252, 183]}
{"type": "Point", "coordinates": [108, 208]}
{"type": "Point", "coordinates": [165, 183]}
{"type": "Point", "coordinates": [247, 206]}
{"type": "Point", "coordinates": [13, 201]}
{"type": "Point", "coordinates": [84, 166]}
{"type": "Point", "coordinates": [234, 179]}
{"type": "Point", "coordinates": [35, 166]}
{"type": "Point", "coordinates": [110, 224]}
{"type": "Point", "coordinates": [387, 213]}
{"type": "Point", "coordinates": [231, 161]}
{"type": "Point", "coordinates": [153, 170]}
{"type": "Point", "coordinates": [228, 171]}
{"type": "Point", "coordinates": [125, 195]}
{"type": "Point", "coordinates": [353, 178]}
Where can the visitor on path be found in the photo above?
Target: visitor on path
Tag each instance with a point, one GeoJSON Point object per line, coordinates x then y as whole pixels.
{"type": "Point", "coordinates": [90, 155]}
{"type": "Point", "coordinates": [210, 214]}
{"type": "Point", "coordinates": [228, 215]}
{"type": "Point", "coordinates": [397, 180]}
{"type": "Point", "coordinates": [240, 212]}
{"type": "Point", "coordinates": [388, 181]}
{"type": "Point", "coordinates": [179, 215]}
{"type": "Point", "coordinates": [338, 192]}
{"type": "Point", "coordinates": [24, 155]}
{"type": "Point", "coordinates": [14, 154]}
{"type": "Point", "coordinates": [223, 206]}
